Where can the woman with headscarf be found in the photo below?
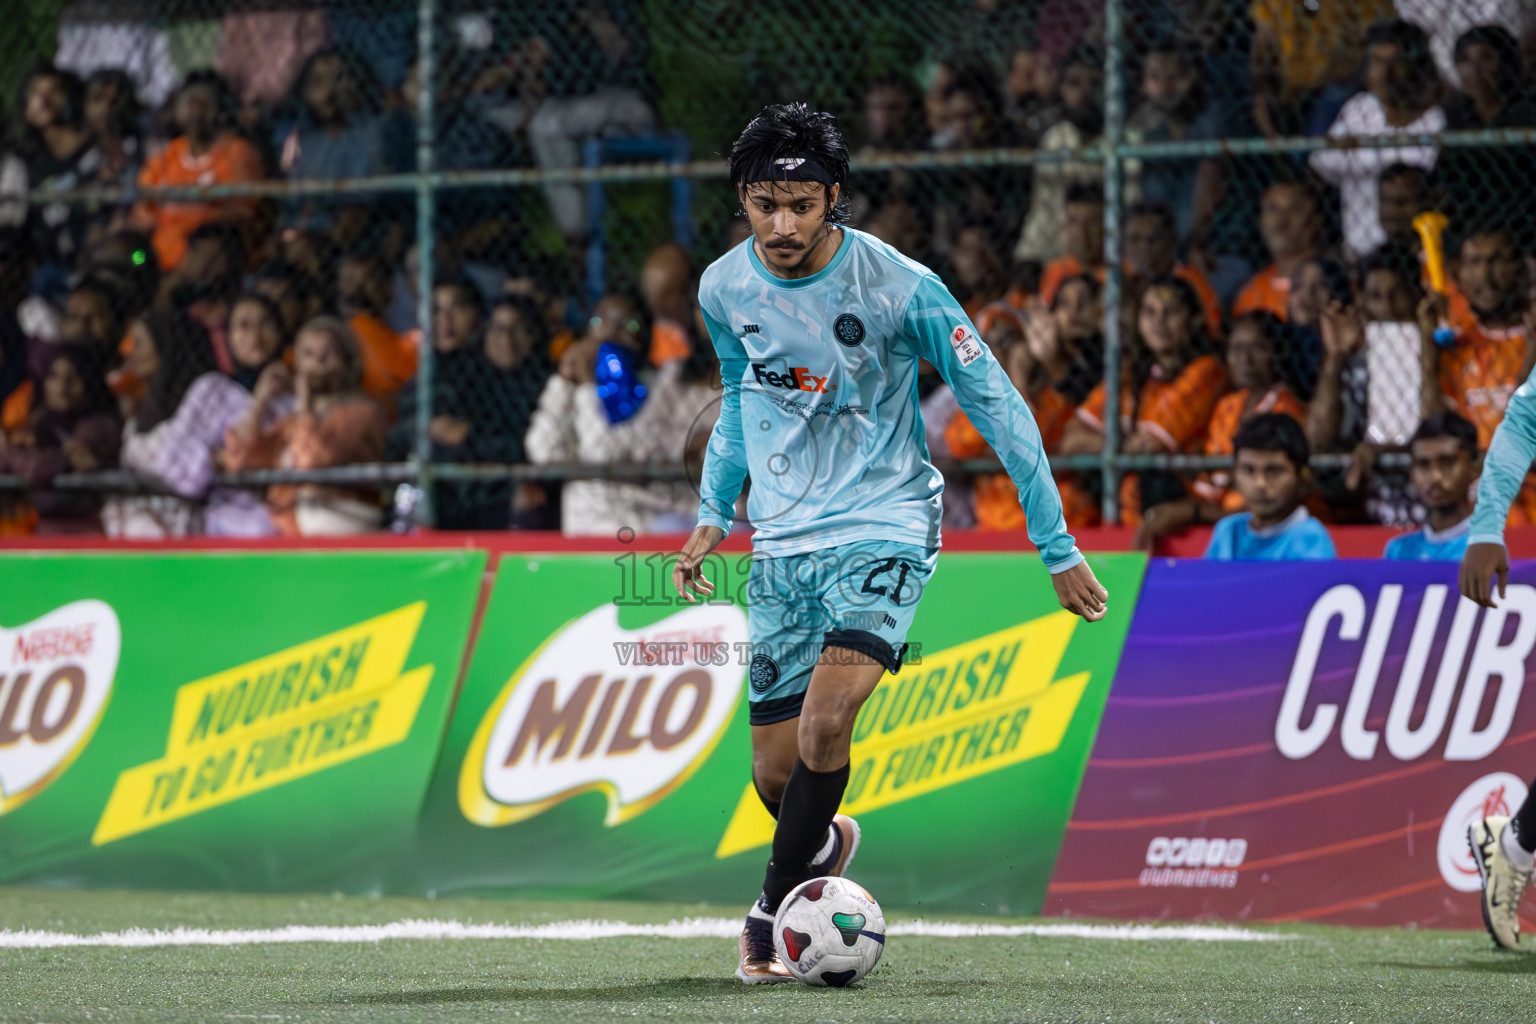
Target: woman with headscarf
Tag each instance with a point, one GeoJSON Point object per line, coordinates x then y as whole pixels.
{"type": "Point", "coordinates": [168, 351]}
{"type": "Point", "coordinates": [73, 428]}
{"type": "Point", "coordinates": [334, 423]}
{"type": "Point", "coordinates": [184, 451]}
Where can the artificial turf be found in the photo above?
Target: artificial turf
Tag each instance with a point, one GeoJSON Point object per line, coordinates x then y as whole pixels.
{"type": "Point", "coordinates": [1318, 974]}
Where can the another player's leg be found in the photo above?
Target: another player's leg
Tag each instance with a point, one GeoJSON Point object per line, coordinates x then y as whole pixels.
{"type": "Point", "coordinates": [1503, 849]}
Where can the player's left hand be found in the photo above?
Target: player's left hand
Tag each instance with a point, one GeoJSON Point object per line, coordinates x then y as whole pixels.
{"type": "Point", "coordinates": [1480, 566]}
{"type": "Point", "coordinates": [1080, 592]}
{"type": "Point", "coordinates": [687, 571]}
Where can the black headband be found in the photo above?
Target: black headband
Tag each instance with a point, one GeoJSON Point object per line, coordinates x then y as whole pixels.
{"type": "Point", "coordinates": [792, 168]}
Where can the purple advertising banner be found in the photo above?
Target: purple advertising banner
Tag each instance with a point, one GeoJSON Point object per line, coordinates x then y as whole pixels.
{"type": "Point", "coordinates": [1303, 741]}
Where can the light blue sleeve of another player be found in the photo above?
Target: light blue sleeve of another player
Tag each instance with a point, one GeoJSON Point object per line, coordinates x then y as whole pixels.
{"type": "Point", "coordinates": [1397, 549]}
{"type": "Point", "coordinates": [725, 460]}
{"type": "Point", "coordinates": [998, 411]}
{"type": "Point", "coordinates": [1504, 467]}
{"type": "Point", "coordinates": [1220, 548]}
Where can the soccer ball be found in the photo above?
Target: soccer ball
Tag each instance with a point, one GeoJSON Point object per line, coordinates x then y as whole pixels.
{"type": "Point", "coordinates": [829, 931]}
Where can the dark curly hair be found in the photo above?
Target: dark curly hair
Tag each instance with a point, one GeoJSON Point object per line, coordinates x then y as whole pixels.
{"type": "Point", "coordinates": [789, 131]}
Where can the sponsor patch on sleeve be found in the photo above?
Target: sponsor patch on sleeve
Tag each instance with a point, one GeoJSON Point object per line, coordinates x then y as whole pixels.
{"type": "Point", "coordinates": [967, 345]}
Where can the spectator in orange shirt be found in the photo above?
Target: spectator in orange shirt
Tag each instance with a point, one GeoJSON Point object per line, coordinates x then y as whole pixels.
{"type": "Point", "coordinates": [1151, 251]}
{"type": "Point", "coordinates": [335, 424]}
{"type": "Point", "coordinates": [363, 283]}
{"type": "Point", "coordinates": [1291, 221]}
{"type": "Point", "coordinates": [1082, 237]}
{"type": "Point", "coordinates": [1475, 375]}
{"type": "Point", "coordinates": [1169, 388]}
{"type": "Point", "coordinates": [207, 152]}
{"type": "Point", "coordinates": [1255, 354]}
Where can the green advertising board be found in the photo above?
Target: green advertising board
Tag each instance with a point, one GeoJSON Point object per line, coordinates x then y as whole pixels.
{"type": "Point", "coordinates": [221, 720]}
{"type": "Point", "coordinates": [600, 745]}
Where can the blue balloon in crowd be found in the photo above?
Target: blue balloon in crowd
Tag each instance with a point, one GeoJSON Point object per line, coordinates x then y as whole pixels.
{"type": "Point", "coordinates": [618, 385]}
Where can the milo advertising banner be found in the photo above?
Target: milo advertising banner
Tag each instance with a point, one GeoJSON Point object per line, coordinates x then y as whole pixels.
{"type": "Point", "coordinates": [1304, 741]}
{"type": "Point", "coordinates": [264, 721]}
{"type": "Point", "coordinates": [600, 746]}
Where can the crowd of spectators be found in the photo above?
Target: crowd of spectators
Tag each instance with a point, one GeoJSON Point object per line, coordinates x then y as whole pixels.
{"type": "Point", "coordinates": [180, 338]}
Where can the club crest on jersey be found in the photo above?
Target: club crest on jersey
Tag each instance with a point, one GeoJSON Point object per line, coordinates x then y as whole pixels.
{"type": "Point", "coordinates": [799, 378]}
{"type": "Point", "coordinates": [848, 329]}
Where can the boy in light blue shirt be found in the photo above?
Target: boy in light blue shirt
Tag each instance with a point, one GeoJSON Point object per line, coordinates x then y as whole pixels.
{"type": "Point", "coordinates": [1444, 467]}
{"type": "Point", "coordinates": [1270, 472]}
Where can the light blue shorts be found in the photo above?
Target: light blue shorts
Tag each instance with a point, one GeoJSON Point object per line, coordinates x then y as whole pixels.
{"type": "Point", "coordinates": [859, 597]}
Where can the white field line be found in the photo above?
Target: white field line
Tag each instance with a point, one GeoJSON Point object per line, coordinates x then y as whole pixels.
{"type": "Point", "coordinates": [690, 928]}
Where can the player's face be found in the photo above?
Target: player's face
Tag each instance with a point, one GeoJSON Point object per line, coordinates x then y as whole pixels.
{"type": "Point", "coordinates": [1489, 273]}
{"type": "Point", "coordinates": [789, 220]}
{"type": "Point", "coordinates": [1269, 483]}
{"type": "Point", "coordinates": [1250, 363]}
{"type": "Point", "coordinates": [1442, 472]}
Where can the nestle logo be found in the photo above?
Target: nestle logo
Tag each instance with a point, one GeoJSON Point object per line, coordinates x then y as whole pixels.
{"type": "Point", "coordinates": [49, 644]}
{"type": "Point", "coordinates": [799, 378]}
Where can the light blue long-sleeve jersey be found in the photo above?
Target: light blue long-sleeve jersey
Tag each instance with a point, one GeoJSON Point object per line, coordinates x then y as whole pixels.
{"type": "Point", "coordinates": [820, 404]}
{"type": "Point", "coordinates": [1504, 467]}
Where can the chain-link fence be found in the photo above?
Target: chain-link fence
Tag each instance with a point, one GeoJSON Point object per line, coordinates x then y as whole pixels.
{"type": "Point", "coordinates": [327, 267]}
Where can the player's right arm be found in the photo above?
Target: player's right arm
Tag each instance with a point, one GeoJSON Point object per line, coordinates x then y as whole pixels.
{"type": "Point", "coordinates": [725, 466]}
{"type": "Point", "coordinates": [1504, 468]}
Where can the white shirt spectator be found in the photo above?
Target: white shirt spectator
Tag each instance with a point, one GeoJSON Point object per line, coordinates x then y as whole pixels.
{"type": "Point", "coordinates": [570, 425]}
{"type": "Point", "coordinates": [1356, 171]}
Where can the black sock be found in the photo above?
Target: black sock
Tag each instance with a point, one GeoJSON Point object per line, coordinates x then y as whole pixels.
{"type": "Point", "coordinates": [772, 806]}
{"type": "Point", "coordinates": [810, 801]}
{"type": "Point", "coordinates": [1525, 822]}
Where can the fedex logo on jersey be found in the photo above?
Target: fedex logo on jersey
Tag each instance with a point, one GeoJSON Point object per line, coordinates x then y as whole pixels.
{"type": "Point", "coordinates": [797, 378]}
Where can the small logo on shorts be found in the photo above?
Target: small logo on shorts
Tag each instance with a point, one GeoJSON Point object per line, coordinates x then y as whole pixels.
{"type": "Point", "coordinates": [849, 329]}
{"type": "Point", "coordinates": [763, 673]}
